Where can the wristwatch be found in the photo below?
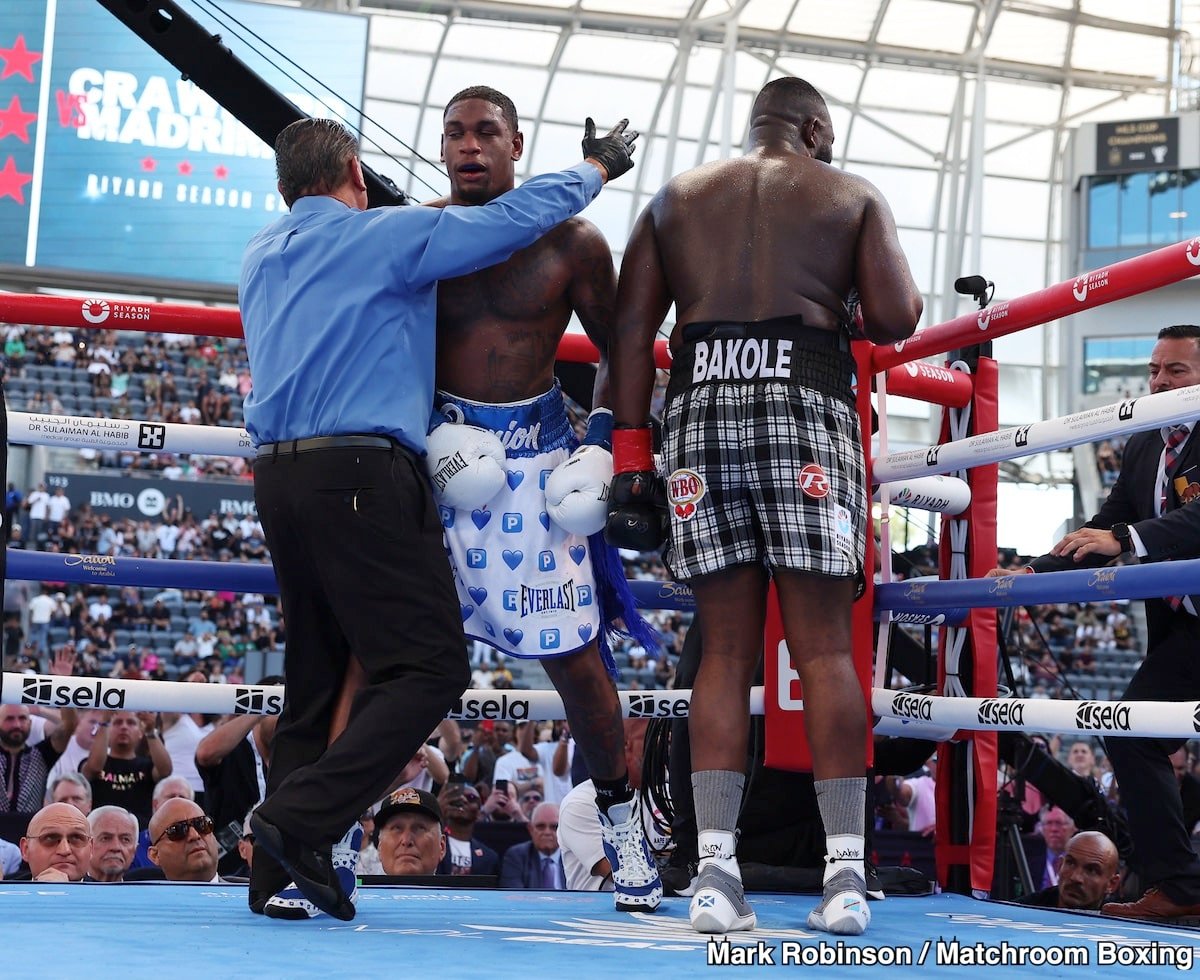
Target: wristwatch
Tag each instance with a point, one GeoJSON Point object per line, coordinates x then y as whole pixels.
{"type": "Point", "coordinates": [1120, 531]}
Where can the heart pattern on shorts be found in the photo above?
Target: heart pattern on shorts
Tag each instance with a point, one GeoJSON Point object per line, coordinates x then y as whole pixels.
{"type": "Point", "coordinates": [478, 594]}
{"type": "Point", "coordinates": [514, 636]}
{"type": "Point", "coordinates": [466, 611]}
{"type": "Point", "coordinates": [513, 557]}
{"type": "Point", "coordinates": [545, 519]}
{"type": "Point", "coordinates": [585, 632]}
{"type": "Point", "coordinates": [491, 630]}
{"type": "Point", "coordinates": [577, 552]}
{"type": "Point", "coordinates": [514, 478]}
{"type": "Point", "coordinates": [481, 517]}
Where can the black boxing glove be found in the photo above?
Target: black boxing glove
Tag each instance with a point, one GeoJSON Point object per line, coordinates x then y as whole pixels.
{"type": "Point", "coordinates": [613, 151]}
{"type": "Point", "coordinates": [637, 501]}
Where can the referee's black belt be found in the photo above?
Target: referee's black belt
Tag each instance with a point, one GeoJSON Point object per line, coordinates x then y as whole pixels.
{"type": "Point", "coordinates": [316, 443]}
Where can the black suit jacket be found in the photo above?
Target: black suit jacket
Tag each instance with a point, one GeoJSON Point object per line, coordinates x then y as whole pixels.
{"type": "Point", "coordinates": [522, 867]}
{"type": "Point", "coordinates": [1134, 500]}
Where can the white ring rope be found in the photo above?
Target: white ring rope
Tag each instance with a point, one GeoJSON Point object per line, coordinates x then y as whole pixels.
{"type": "Point", "coordinates": [1117, 419]}
{"type": "Point", "coordinates": [919, 715]}
{"type": "Point", "coordinates": [137, 435]}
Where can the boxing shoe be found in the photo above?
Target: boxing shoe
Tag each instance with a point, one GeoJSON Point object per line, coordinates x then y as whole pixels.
{"type": "Point", "coordinates": [290, 903]}
{"type": "Point", "coordinates": [843, 910]}
{"type": "Point", "coordinates": [311, 868]}
{"type": "Point", "coordinates": [636, 883]}
{"type": "Point", "coordinates": [719, 903]}
{"type": "Point", "coordinates": [679, 875]}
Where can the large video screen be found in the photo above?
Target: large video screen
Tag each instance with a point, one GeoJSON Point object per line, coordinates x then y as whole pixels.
{"type": "Point", "coordinates": [110, 162]}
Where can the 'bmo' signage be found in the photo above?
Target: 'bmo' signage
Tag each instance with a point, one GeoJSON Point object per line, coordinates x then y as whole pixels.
{"type": "Point", "coordinates": [153, 500]}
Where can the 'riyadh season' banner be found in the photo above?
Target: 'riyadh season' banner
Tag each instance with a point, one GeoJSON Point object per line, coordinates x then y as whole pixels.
{"type": "Point", "coordinates": [111, 163]}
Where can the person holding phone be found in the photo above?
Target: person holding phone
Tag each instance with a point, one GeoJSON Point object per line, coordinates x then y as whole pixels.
{"type": "Point", "coordinates": [502, 805]}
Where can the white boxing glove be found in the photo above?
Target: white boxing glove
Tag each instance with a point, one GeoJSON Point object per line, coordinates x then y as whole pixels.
{"type": "Point", "coordinates": [465, 463]}
{"type": "Point", "coordinates": [577, 490]}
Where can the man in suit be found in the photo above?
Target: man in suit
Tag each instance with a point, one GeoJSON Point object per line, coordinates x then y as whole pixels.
{"type": "Point", "coordinates": [537, 863]}
{"type": "Point", "coordinates": [1151, 513]}
{"type": "Point", "coordinates": [465, 855]}
{"type": "Point", "coordinates": [182, 842]}
{"type": "Point", "coordinates": [1089, 871]}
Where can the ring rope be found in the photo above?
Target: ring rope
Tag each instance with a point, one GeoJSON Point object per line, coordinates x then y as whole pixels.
{"type": "Point", "coordinates": [177, 573]}
{"type": "Point", "coordinates": [1117, 419]}
{"type": "Point", "coordinates": [1140, 274]}
{"type": "Point", "coordinates": [898, 712]}
{"type": "Point", "coordinates": [1106, 584]}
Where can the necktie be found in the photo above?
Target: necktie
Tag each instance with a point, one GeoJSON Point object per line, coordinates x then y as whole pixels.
{"type": "Point", "coordinates": [549, 878]}
{"type": "Point", "coordinates": [1175, 436]}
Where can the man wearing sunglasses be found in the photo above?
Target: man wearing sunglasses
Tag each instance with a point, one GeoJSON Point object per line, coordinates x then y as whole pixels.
{"type": "Point", "coordinates": [182, 842]}
{"type": "Point", "coordinates": [58, 844]}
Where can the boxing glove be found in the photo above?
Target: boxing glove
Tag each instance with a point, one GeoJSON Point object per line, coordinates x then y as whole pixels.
{"type": "Point", "coordinates": [637, 502]}
{"type": "Point", "coordinates": [465, 463]}
{"type": "Point", "coordinates": [577, 490]}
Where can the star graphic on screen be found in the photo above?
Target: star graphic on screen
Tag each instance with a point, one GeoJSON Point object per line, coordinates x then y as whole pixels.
{"type": "Point", "coordinates": [11, 181]}
{"type": "Point", "coordinates": [149, 163]}
{"type": "Point", "coordinates": [14, 122]}
{"type": "Point", "coordinates": [220, 171]}
{"type": "Point", "coordinates": [19, 60]}
{"type": "Point", "coordinates": [185, 168]}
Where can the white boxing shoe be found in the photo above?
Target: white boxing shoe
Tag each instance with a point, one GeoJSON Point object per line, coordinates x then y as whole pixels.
{"type": "Point", "coordinates": [719, 903]}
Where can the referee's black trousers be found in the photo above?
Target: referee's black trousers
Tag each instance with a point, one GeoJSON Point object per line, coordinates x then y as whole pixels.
{"type": "Point", "coordinates": [357, 545]}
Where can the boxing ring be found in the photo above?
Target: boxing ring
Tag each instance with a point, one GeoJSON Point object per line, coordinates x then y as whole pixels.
{"type": "Point", "coordinates": [955, 478]}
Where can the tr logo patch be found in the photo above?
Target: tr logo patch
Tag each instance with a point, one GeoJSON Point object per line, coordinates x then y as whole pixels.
{"type": "Point", "coordinates": [813, 482]}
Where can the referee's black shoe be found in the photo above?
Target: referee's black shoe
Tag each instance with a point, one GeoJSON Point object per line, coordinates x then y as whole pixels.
{"type": "Point", "coordinates": [311, 869]}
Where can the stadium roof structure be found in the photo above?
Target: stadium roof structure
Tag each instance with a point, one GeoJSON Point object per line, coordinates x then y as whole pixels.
{"type": "Point", "coordinates": [902, 78]}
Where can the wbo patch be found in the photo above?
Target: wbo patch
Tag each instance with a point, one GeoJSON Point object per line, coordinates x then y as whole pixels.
{"type": "Point", "coordinates": [685, 489]}
{"type": "Point", "coordinates": [814, 482]}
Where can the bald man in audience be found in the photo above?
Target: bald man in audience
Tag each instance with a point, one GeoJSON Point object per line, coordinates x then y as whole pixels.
{"type": "Point", "coordinates": [1088, 874]}
{"type": "Point", "coordinates": [58, 844]}
{"type": "Point", "coordinates": [182, 842]}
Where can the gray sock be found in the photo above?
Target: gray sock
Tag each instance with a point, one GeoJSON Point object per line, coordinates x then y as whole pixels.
{"type": "Point", "coordinates": [718, 798]}
{"type": "Point", "coordinates": [842, 803]}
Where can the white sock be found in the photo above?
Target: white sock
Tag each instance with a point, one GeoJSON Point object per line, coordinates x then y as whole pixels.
{"type": "Point", "coordinates": [844, 851]}
{"type": "Point", "coordinates": [719, 847]}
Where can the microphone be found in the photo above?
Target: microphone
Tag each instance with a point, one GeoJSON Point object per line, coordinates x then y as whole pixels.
{"type": "Point", "coordinates": [971, 285]}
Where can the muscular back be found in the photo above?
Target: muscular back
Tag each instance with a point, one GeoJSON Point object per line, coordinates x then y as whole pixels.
{"type": "Point", "coordinates": [499, 328]}
{"type": "Point", "coordinates": [768, 234]}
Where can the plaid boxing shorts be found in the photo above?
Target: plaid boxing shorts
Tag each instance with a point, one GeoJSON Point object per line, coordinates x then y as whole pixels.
{"type": "Point", "coordinates": [762, 451]}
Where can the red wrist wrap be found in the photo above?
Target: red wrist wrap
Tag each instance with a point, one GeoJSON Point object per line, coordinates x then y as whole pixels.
{"type": "Point", "coordinates": [632, 450]}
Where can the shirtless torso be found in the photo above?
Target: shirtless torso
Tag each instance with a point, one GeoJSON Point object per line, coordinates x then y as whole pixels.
{"type": "Point", "coordinates": [499, 328]}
